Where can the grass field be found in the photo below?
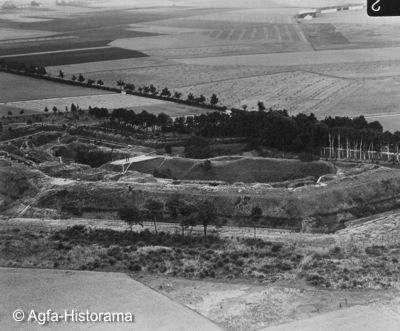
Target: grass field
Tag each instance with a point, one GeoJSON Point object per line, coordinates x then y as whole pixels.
{"type": "Point", "coordinates": [19, 88]}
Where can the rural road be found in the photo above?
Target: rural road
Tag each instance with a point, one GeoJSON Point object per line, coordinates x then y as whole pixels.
{"type": "Point", "coordinates": [63, 291]}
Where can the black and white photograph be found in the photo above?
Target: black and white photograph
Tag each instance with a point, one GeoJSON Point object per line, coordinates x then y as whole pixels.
{"type": "Point", "coordinates": [200, 165]}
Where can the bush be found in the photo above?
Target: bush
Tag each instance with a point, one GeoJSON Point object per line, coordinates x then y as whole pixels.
{"type": "Point", "coordinates": [135, 267]}
{"type": "Point", "coordinates": [375, 250]}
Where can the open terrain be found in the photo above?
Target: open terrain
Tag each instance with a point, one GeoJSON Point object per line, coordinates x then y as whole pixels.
{"type": "Point", "coordinates": [110, 213]}
{"type": "Point", "coordinates": [329, 65]}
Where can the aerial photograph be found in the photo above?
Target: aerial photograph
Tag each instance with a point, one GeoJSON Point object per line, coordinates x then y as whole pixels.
{"type": "Point", "coordinates": [196, 165]}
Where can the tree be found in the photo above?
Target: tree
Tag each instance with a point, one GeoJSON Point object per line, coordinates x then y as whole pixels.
{"type": "Point", "coordinates": [131, 216]}
{"type": "Point", "coordinates": [165, 92]}
{"type": "Point", "coordinates": [172, 205]}
{"type": "Point", "coordinates": [41, 71]}
{"type": "Point", "coordinates": [46, 110]}
{"type": "Point", "coordinates": [207, 214]}
{"type": "Point", "coordinates": [177, 95]}
{"type": "Point", "coordinates": [163, 120]}
{"type": "Point", "coordinates": [261, 106]}
{"type": "Point", "coordinates": [189, 215]}
{"type": "Point", "coordinates": [190, 97]}
{"type": "Point", "coordinates": [9, 113]}
{"type": "Point", "coordinates": [153, 89]}
{"type": "Point", "coordinates": [55, 109]}
{"type": "Point", "coordinates": [130, 87]}
{"type": "Point", "coordinates": [90, 82]}
{"type": "Point", "coordinates": [74, 109]}
{"type": "Point", "coordinates": [74, 78]}
{"type": "Point", "coordinates": [214, 99]}
{"type": "Point", "coordinates": [201, 99]}
{"type": "Point", "coordinates": [120, 83]}
{"type": "Point", "coordinates": [61, 74]}
{"type": "Point", "coordinates": [256, 214]}
{"type": "Point", "coordinates": [21, 111]}
{"type": "Point", "coordinates": [100, 82]}
{"type": "Point", "coordinates": [155, 211]}
{"type": "Point", "coordinates": [81, 79]}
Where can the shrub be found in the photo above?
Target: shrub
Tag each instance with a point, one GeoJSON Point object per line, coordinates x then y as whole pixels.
{"type": "Point", "coordinates": [375, 250]}
{"type": "Point", "coordinates": [135, 267]}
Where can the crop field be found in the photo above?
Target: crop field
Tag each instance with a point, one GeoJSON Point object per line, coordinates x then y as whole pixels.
{"type": "Point", "coordinates": [19, 88]}
{"type": "Point", "coordinates": [174, 75]}
{"type": "Point", "coordinates": [76, 56]}
{"type": "Point", "coordinates": [110, 101]}
{"type": "Point", "coordinates": [295, 91]}
{"type": "Point", "coordinates": [108, 66]}
{"type": "Point", "coordinates": [242, 55]}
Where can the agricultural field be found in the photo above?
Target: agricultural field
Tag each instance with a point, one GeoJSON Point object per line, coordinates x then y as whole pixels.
{"type": "Point", "coordinates": [19, 88]}
{"type": "Point", "coordinates": [243, 55]}
{"type": "Point", "coordinates": [74, 56]}
{"type": "Point", "coordinates": [294, 91]}
{"type": "Point", "coordinates": [110, 101]}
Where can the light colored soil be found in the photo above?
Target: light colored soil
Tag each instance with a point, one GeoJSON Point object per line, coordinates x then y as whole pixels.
{"type": "Point", "coordinates": [243, 306]}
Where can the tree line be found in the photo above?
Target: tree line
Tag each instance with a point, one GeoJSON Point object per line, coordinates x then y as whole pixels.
{"type": "Point", "coordinates": [267, 128]}
{"type": "Point", "coordinates": [149, 91]}
{"type": "Point", "coordinates": [183, 212]}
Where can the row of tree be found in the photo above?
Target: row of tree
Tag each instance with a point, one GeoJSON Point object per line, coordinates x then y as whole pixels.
{"type": "Point", "coordinates": [185, 213]}
{"type": "Point", "coordinates": [129, 88]}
